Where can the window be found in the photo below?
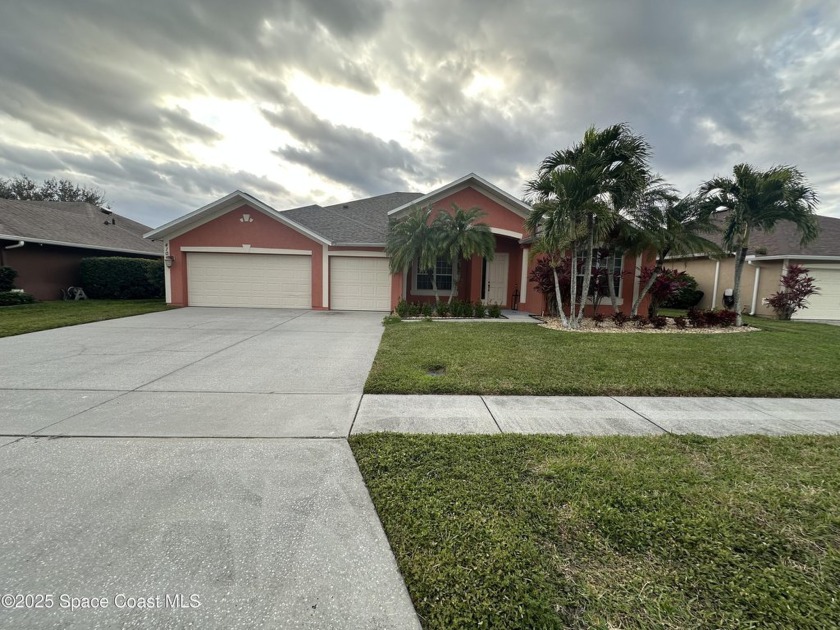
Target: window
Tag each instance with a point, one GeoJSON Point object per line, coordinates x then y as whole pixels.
{"type": "Point", "coordinates": [600, 259]}
{"type": "Point", "coordinates": [443, 277]}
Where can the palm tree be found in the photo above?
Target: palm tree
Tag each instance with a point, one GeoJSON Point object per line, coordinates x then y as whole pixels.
{"type": "Point", "coordinates": [758, 200]}
{"type": "Point", "coordinates": [669, 225]}
{"type": "Point", "coordinates": [576, 197]}
{"type": "Point", "coordinates": [413, 238]}
{"type": "Point", "coordinates": [461, 238]}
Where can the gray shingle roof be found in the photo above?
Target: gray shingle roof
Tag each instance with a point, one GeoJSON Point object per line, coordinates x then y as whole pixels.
{"type": "Point", "coordinates": [784, 240]}
{"type": "Point", "coordinates": [355, 222]}
{"type": "Point", "coordinates": [73, 223]}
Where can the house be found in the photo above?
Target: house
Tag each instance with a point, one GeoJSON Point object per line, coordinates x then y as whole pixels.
{"type": "Point", "coordinates": [45, 241]}
{"type": "Point", "coordinates": [238, 251]}
{"type": "Point", "coordinates": [769, 255]}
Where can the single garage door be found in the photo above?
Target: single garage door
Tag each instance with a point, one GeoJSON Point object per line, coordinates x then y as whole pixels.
{"type": "Point", "coordinates": [359, 284]}
{"type": "Point", "coordinates": [826, 305]}
{"type": "Point", "coordinates": [249, 280]}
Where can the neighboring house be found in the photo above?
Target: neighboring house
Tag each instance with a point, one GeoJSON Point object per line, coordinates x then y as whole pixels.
{"type": "Point", "coordinates": [767, 259]}
{"type": "Point", "coordinates": [238, 251]}
{"type": "Point", "coordinates": [44, 241]}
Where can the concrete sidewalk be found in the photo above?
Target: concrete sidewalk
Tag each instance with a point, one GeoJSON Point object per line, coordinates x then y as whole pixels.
{"type": "Point", "coordinates": [597, 415]}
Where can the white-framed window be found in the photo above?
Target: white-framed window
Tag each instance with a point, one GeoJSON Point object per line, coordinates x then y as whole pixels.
{"type": "Point", "coordinates": [443, 277]}
{"type": "Point", "coordinates": [600, 259]}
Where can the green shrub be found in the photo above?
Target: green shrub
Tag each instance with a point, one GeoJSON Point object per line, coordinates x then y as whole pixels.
{"type": "Point", "coordinates": [402, 308]}
{"type": "Point", "coordinates": [494, 311]}
{"type": "Point", "coordinates": [13, 298]}
{"type": "Point", "coordinates": [479, 310]}
{"type": "Point", "coordinates": [414, 309]}
{"type": "Point", "coordinates": [442, 309]}
{"type": "Point", "coordinates": [122, 278]}
{"type": "Point", "coordinates": [685, 297]}
{"type": "Point", "coordinates": [426, 309]}
{"type": "Point", "coordinates": [7, 279]}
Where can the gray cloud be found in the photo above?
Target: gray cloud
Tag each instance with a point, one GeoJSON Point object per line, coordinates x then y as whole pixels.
{"type": "Point", "coordinates": [709, 84]}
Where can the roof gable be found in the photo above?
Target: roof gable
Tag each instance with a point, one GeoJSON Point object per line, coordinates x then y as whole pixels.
{"type": "Point", "coordinates": [73, 224]}
{"type": "Point", "coordinates": [468, 181]}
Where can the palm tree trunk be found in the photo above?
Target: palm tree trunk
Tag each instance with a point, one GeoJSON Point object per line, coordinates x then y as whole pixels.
{"type": "Point", "coordinates": [587, 272]}
{"type": "Point", "coordinates": [736, 290]}
{"type": "Point", "coordinates": [559, 298]}
{"type": "Point", "coordinates": [653, 276]}
{"type": "Point", "coordinates": [611, 281]}
{"type": "Point", "coordinates": [456, 277]}
{"type": "Point", "coordinates": [572, 323]}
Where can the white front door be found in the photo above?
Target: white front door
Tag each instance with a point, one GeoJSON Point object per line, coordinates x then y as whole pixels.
{"type": "Point", "coordinates": [497, 279]}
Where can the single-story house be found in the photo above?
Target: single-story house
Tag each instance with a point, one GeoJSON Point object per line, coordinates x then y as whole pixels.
{"type": "Point", "coordinates": [45, 241]}
{"type": "Point", "coordinates": [767, 259]}
{"type": "Point", "coordinates": [239, 251]}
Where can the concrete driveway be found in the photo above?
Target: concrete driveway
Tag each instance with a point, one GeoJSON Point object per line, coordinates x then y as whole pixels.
{"type": "Point", "coordinates": [131, 473]}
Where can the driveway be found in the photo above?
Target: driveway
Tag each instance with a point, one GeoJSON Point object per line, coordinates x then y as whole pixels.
{"type": "Point", "coordinates": [157, 493]}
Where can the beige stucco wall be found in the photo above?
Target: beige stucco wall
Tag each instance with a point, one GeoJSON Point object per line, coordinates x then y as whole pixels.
{"type": "Point", "coordinates": [703, 270]}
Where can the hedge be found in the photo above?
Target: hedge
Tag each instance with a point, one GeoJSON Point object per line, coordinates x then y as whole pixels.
{"type": "Point", "coordinates": [122, 278]}
{"type": "Point", "coordinates": [13, 298]}
{"type": "Point", "coordinates": [7, 279]}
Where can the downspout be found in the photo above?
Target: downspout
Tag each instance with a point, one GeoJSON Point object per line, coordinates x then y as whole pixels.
{"type": "Point", "coordinates": [717, 278]}
{"type": "Point", "coordinates": [16, 245]}
{"type": "Point", "coordinates": [755, 285]}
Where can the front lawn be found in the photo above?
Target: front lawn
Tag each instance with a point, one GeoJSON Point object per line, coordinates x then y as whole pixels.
{"type": "Point", "coordinates": [794, 359]}
{"type": "Point", "coordinates": [614, 532]}
{"type": "Point", "coordinates": [16, 320]}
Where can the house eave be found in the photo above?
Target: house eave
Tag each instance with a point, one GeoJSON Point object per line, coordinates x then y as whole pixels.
{"type": "Point", "coordinates": [102, 248]}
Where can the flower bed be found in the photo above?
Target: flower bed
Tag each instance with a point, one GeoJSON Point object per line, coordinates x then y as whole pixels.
{"type": "Point", "coordinates": [697, 322]}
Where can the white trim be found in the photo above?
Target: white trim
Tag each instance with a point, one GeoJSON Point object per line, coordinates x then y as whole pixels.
{"type": "Point", "coordinates": [358, 254]}
{"type": "Point", "coordinates": [470, 180]}
{"type": "Point", "coordinates": [755, 289]}
{"type": "Point", "coordinates": [337, 244]}
{"type": "Point", "coordinates": [247, 249]}
{"type": "Point", "coordinates": [792, 256]}
{"type": "Point", "coordinates": [523, 291]}
{"type": "Point", "coordinates": [717, 282]}
{"type": "Point", "coordinates": [502, 232]}
{"type": "Point", "coordinates": [167, 275]}
{"type": "Point", "coordinates": [222, 206]}
{"type": "Point", "coordinates": [325, 278]}
{"type": "Point", "coordinates": [103, 248]}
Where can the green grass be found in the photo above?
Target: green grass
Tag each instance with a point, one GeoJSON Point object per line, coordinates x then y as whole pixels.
{"type": "Point", "coordinates": [794, 359]}
{"type": "Point", "coordinates": [615, 532]}
{"type": "Point", "coordinates": [16, 320]}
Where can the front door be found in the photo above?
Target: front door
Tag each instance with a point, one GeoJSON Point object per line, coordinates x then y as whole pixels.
{"type": "Point", "coordinates": [497, 279]}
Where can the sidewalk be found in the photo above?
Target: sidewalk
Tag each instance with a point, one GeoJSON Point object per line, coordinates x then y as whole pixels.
{"type": "Point", "coordinates": [597, 415]}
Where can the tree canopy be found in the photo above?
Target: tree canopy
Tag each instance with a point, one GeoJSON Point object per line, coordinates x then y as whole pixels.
{"type": "Point", "coordinates": [24, 188]}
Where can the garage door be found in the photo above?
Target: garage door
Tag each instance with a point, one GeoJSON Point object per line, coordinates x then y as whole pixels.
{"type": "Point", "coordinates": [359, 284]}
{"type": "Point", "coordinates": [249, 280]}
{"type": "Point", "coordinates": [826, 305]}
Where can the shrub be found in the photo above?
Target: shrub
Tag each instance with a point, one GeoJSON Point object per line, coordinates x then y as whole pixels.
{"type": "Point", "coordinates": [13, 298]}
{"type": "Point", "coordinates": [426, 309]}
{"type": "Point", "coordinates": [120, 278]}
{"type": "Point", "coordinates": [686, 296]}
{"type": "Point", "coordinates": [619, 319]}
{"type": "Point", "coordinates": [598, 318]}
{"type": "Point", "coordinates": [494, 311]}
{"type": "Point", "coordinates": [658, 322]}
{"type": "Point", "coordinates": [7, 279]}
{"type": "Point", "coordinates": [797, 287]}
{"type": "Point", "coordinates": [641, 322]}
{"type": "Point", "coordinates": [442, 309]}
{"type": "Point", "coordinates": [711, 318]}
{"type": "Point", "coordinates": [413, 309]}
{"type": "Point", "coordinates": [402, 308]}
{"type": "Point", "coordinates": [667, 283]}
{"type": "Point", "coordinates": [696, 317]}
{"type": "Point", "coordinates": [680, 322]}
{"type": "Point", "coordinates": [479, 310]}
{"type": "Point", "coordinates": [727, 318]}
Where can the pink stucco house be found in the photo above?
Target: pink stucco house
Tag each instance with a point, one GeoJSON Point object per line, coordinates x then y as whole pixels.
{"type": "Point", "coordinates": [238, 251]}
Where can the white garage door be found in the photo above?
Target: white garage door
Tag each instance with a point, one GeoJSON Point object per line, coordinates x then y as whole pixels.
{"type": "Point", "coordinates": [359, 284]}
{"type": "Point", "coordinates": [253, 280]}
{"type": "Point", "coordinates": [826, 305]}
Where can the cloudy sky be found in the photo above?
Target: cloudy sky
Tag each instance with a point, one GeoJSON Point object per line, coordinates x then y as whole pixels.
{"type": "Point", "coordinates": [169, 104]}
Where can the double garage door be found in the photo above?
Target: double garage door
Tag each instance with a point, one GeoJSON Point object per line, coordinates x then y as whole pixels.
{"type": "Point", "coordinates": [249, 280]}
{"type": "Point", "coordinates": [285, 281]}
